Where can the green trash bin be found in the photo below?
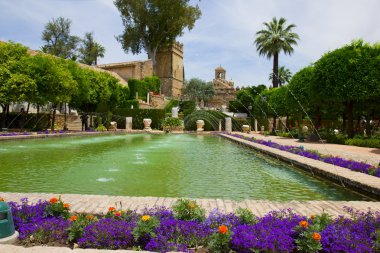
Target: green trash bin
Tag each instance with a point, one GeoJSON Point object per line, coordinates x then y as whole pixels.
{"type": "Point", "coordinates": [7, 227]}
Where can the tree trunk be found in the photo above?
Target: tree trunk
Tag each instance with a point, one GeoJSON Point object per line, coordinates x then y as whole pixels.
{"type": "Point", "coordinates": [287, 122]}
{"type": "Point", "coordinates": [274, 124]}
{"type": "Point", "coordinates": [344, 118]}
{"type": "Point", "coordinates": [275, 70]}
{"type": "Point", "coordinates": [318, 119]}
{"type": "Point", "coordinates": [350, 118]}
{"type": "Point", "coordinates": [152, 55]}
{"type": "Point", "coordinates": [53, 118]}
{"type": "Point", "coordinates": [3, 116]}
{"type": "Point", "coordinates": [27, 108]}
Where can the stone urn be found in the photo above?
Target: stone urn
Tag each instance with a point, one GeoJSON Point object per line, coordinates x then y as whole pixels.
{"type": "Point", "coordinates": [200, 125]}
{"type": "Point", "coordinates": [246, 129]}
{"type": "Point", "coordinates": [147, 123]}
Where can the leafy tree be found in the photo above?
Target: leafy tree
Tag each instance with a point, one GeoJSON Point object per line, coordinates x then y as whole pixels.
{"type": "Point", "coordinates": [14, 86]}
{"type": "Point", "coordinates": [284, 76]}
{"type": "Point", "coordinates": [153, 24]}
{"type": "Point", "coordinates": [58, 40]}
{"type": "Point", "coordinates": [349, 75]}
{"type": "Point", "coordinates": [276, 37]}
{"type": "Point", "coordinates": [90, 50]}
{"type": "Point", "coordinates": [197, 90]}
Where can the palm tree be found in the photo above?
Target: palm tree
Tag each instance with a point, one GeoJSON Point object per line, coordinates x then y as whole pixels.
{"type": "Point", "coordinates": [276, 37]}
{"type": "Point", "coordinates": [284, 76]}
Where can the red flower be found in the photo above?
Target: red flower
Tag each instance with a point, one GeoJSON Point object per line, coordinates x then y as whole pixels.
{"type": "Point", "coordinates": [67, 206]}
{"type": "Point", "coordinates": [223, 229]}
{"type": "Point", "coordinates": [53, 200]}
{"type": "Point", "coordinates": [111, 209]}
{"type": "Point", "coordinates": [117, 214]}
{"type": "Point", "coordinates": [73, 218]}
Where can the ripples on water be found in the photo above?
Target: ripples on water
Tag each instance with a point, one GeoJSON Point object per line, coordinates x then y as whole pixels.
{"type": "Point", "coordinates": [155, 165]}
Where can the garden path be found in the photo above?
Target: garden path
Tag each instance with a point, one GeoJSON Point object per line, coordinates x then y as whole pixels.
{"type": "Point", "coordinates": [368, 155]}
{"type": "Point", "coordinates": [100, 203]}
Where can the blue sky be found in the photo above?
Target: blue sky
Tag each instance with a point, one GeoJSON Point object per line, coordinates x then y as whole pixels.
{"type": "Point", "coordinates": [223, 36]}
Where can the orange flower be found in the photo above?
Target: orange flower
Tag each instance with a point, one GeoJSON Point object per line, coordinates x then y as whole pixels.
{"type": "Point", "coordinates": [111, 209]}
{"type": "Point", "coordinates": [90, 217]}
{"type": "Point", "coordinates": [304, 224]}
{"type": "Point", "coordinates": [223, 229]}
{"type": "Point", "coordinates": [67, 206]}
{"type": "Point", "coordinates": [53, 200]}
{"type": "Point", "coordinates": [1, 199]}
{"type": "Point", "coordinates": [312, 217]}
{"type": "Point", "coordinates": [316, 236]}
{"type": "Point", "coordinates": [73, 218]}
{"type": "Point", "coordinates": [145, 218]}
{"type": "Point", "coordinates": [118, 214]}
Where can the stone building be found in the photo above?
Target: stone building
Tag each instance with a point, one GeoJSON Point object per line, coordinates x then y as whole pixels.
{"type": "Point", "coordinates": [170, 69]}
{"type": "Point", "coordinates": [224, 89]}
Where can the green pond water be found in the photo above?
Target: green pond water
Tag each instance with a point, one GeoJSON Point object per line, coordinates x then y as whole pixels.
{"type": "Point", "coordinates": [155, 165]}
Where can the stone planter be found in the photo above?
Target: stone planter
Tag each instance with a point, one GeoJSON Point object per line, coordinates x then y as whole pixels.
{"type": "Point", "coordinates": [200, 125]}
{"type": "Point", "coordinates": [147, 123]}
{"type": "Point", "coordinates": [246, 129]}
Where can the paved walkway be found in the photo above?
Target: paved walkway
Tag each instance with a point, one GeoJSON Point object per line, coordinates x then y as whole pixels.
{"type": "Point", "coordinates": [100, 203]}
{"type": "Point", "coordinates": [368, 155]}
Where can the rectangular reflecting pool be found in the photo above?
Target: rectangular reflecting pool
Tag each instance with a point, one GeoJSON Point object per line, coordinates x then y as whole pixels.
{"type": "Point", "coordinates": [170, 165]}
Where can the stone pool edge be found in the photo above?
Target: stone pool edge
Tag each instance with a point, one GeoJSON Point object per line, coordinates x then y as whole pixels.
{"type": "Point", "coordinates": [365, 184]}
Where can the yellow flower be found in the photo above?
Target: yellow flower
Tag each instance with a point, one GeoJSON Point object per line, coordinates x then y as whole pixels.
{"type": "Point", "coordinates": [1, 199]}
{"type": "Point", "coordinates": [145, 218]}
{"type": "Point", "coordinates": [192, 205]}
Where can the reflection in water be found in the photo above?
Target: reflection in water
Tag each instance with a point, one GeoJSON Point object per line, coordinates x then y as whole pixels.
{"type": "Point", "coordinates": [170, 165]}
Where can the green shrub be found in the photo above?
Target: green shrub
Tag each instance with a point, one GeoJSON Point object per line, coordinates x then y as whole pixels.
{"type": "Point", "coordinates": [146, 227]}
{"type": "Point", "coordinates": [57, 208]}
{"type": "Point", "coordinates": [220, 241]}
{"type": "Point", "coordinates": [171, 124]}
{"type": "Point", "coordinates": [185, 209]}
{"type": "Point", "coordinates": [142, 87]}
{"type": "Point", "coordinates": [78, 224]}
{"type": "Point", "coordinates": [187, 107]}
{"type": "Point", "coordinates": [129, 103]}
{"type": "Point", "coordinates": [369, 142]}
{"type": "Point", "coordinates": [101, 128]}
{"type": "Point", "coordinates": [246, 216]}
{"type": "Point", "coordinates": [172, 103]}
{"type": "Point", "coordinates": [138, 115]}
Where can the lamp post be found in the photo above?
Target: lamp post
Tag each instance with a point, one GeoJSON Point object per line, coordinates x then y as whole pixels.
{"type": "Point", "coordinates": [250, 116]}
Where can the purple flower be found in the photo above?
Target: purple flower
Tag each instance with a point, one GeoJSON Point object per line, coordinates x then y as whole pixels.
{"type": "Point", "coordinates": [108, 234]}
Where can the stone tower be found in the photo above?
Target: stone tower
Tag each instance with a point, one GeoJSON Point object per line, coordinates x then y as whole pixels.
{"type": "Point", "coordinates": [224, 89]}
{"type": "Point", "coordinates": [170, 70]}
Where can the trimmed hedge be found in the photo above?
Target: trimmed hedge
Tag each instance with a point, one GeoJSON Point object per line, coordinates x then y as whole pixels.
{"type": "Point", "coordinates": [138, 115]}
{"type": "Point", "coordinates": [370, 143]}
{"type": "Point", "coordinates": [142, 87]}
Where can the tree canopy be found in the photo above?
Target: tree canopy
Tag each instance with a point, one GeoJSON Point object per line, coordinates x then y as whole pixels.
{"type": "Point", "coordinates": [197, 90]}
{"type": "Point", "coordinates": [90, 50]}
{"type": "Point", "coordinates": [153, 24]}
{"type": "Point", "coordinates": [348, 75]}
{"type": "Point", "coordinates": [58, 40]}
{"type": "Point", "coordinates": [276, 37]}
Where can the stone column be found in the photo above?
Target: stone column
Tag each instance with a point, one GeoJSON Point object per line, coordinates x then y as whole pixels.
{"type": "Point", "coordinates": [256, 125]}
{"type": "Point", "coordinates": [175, 112]}
{"type": "Point", "coordinates": [128, 123]}
{"type": "Point", "coordinates": [220, 125]}
{"type": "Point", "coordinates": [228, 125]}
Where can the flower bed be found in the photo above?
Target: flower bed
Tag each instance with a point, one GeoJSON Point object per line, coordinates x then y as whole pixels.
{"type": "Point", "coordinates": [14, 134]}
{"type": "Point", "coordinates": [299, 150]}
{"type": "Point", "coordinates": [186, 228]}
